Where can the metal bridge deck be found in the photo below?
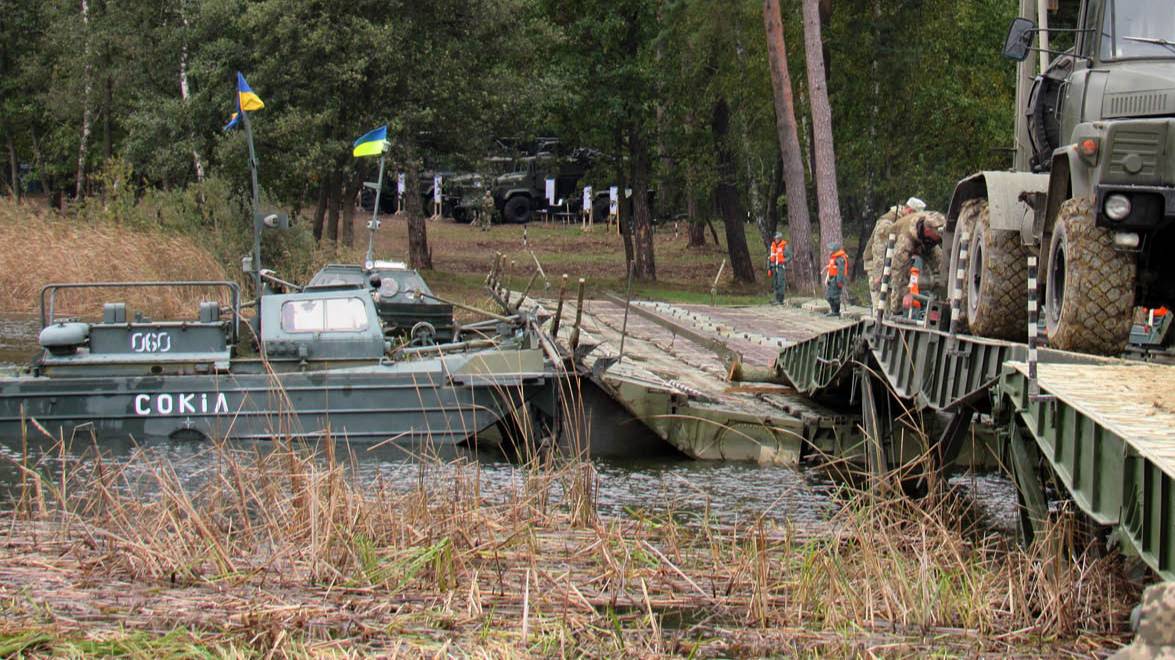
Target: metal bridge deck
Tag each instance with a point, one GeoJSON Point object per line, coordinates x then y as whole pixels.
{"type": "Point", "coordinates": [673, 375]}
{"type": "Point", "coordinates": [1133, 401]}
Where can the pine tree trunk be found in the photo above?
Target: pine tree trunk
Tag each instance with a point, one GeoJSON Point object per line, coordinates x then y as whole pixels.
{"type": "Point", "coordinates": [14, 168]}
{"type": "Point", "coordinates": [773, 201]}
{"type": "Point", "coordinates": [624, 224]}
{"type": "Point", "coordinates": [726, 195]}
{"type": "Point", "coordinates": [825, 171]}
{"type": "Point", "coordinates": [85, 138]}
{"type": "Point", "coordinates": [320, 211]}
{"type": "Point", "coordinates": [419, 256]}
{"type": "Point", "coordinates": [697, 230]}
{"type": "Point", "coordinates": [642, 216]}
{"type": "Point", "coordinates": [332, 209]}
{"type": "Point", "coordinates": [798, 220]}
{"type": "Point", "coordinates": [349, 193]}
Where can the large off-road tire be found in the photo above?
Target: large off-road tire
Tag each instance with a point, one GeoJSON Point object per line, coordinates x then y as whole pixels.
{"type": "Point", "coordinates": [517, 210]}
{"type": "Point", "coordinates": [997, 281]}
{"type": "Point", "coordinates": [1089, 290]}
{"type": "Point", "coordinates": [965, 225]}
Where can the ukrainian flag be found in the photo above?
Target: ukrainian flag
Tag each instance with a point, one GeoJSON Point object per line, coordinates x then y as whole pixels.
{"type": "Point", "coordinates": [246, 99]}
{"type": "Point", "coordinates": [371, 143]}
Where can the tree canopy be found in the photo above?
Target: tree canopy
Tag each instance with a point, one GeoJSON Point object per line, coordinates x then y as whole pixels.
{"type": "Point", "coordinates": [919, 95]}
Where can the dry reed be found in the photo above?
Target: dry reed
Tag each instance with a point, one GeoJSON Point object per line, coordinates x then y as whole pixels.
{"type": "Point", "coordinates": [284, 549]}
{"type": "Point", "coordinates": [43, 247]}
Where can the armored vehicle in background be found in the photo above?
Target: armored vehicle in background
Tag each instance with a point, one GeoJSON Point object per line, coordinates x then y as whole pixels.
{"type": "Point", "coordinates": [1093, 191]}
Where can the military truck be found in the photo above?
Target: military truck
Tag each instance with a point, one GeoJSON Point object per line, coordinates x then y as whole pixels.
{"type": "Point", "coordinates": [1092, 194]}
{"type": "Point", "coordinates": [518, 194]}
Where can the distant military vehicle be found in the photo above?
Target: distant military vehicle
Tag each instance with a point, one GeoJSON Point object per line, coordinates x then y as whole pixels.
{"type": "Point", "coordinates": [1093, 191]}
{"type": "Point", "coordinates": [518, 194]}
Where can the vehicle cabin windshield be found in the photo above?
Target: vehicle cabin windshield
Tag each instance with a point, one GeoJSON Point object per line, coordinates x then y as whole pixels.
{"type": "Point", "coordinates": [324, 315]}
{"type": "Point", "coordinates": [1138, 29]}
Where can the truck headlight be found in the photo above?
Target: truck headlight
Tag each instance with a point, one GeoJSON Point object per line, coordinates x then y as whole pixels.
{"type": "Point", "coordinates": [1117, 207]}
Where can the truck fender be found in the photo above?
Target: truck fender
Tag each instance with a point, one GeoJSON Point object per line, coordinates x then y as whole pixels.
{"type": "Point", "coordinates": [1007, 212]}
{"type": "Point", "coordinates": [515, 192]}
{"type": "Point", "coordinates": [1068, 177]}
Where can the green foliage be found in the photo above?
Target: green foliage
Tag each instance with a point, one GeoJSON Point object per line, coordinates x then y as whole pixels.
{"type": "Point", "coordinates": [920, 96]}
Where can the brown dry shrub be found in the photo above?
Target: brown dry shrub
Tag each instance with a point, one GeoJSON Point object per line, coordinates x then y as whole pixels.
{"type": "Point", "coordinates": [41, 246]}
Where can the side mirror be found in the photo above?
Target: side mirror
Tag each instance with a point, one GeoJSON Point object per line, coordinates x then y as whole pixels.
{"type": "Point", "coordinates": [1019, 40]}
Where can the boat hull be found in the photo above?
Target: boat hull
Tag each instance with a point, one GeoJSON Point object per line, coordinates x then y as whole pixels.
{"type": "Point", "coordinates": [367, 404]}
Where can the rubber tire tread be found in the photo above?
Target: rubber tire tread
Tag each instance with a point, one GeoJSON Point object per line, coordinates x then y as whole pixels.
{"type": "Point", "coordinates": [966, 223]}
{"type": "Point", "coordinates": [1002, 309]}
{"type": "Point", "coordinates": [1098, 320]}
{"type": "Point", "coordinates": [510, 212]}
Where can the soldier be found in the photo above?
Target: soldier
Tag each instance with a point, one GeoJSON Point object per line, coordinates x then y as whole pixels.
{"type": "Point", "coordinates": [875, 248]}
{"type": "Point", "coordinates": [918, 235]}
{"type": "Point", "coordinates": [777, 258]}
{"type": "Point", "coordinates": [834, 279]}
{"type": "Point", "coordinates": [1154, 635]}
{"type": "Point", "coordinates": [486, 215]}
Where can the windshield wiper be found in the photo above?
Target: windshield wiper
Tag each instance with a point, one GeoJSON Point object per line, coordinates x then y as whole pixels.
{"type": "Point", "coordinates": [1152, 40]}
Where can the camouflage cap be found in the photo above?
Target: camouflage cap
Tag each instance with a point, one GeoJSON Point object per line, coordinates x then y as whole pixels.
{"type": "Point", "coordinates": [834, 245]}
{"type": "Point", "coordinates": [778, 235]}
{"type": "Point", "coordinates": [1155, 637]}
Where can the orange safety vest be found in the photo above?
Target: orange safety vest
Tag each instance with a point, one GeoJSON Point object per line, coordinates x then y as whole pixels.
{"type": "Point", "coordinates": [914, 273]}
{"type": "Point", "coordinates": [778, 253]}
{"type": "Point", "coordinates": [833, 271]}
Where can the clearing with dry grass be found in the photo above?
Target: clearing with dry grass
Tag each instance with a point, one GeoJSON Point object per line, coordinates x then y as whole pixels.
{"type": "Point", "coordinates": [280, 550]}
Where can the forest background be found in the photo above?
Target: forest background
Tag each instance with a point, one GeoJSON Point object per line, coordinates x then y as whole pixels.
{"type": "Point", "coordinates": [115, 107]}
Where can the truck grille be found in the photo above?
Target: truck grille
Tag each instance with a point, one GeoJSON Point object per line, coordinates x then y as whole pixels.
{"type": "Point", "coordinates": [1133, 105]}
{"type": "Point", "coordinates": [1137, 145]}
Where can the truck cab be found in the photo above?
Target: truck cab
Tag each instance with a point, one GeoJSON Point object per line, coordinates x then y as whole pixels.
{"type": "Point", "coordinates": [1092, 196]}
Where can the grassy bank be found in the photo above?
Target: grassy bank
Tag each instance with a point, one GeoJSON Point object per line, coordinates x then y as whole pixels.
{"type": "Point", "coordinates": [462, 255]}
{"type": "Point", "coordinates": [169, 235]}
{"type": "Point", "coordinates": [281, 551]}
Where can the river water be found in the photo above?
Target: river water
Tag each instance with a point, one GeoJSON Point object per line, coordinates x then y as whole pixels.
{"type": "Point", "coordinates": [729, 493]}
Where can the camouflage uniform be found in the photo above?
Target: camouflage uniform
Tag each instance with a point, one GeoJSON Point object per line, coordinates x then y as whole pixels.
{"type": "Point", "coordinates": [908, 245]}
{"type": "Point", "coordinates": [875, 248]}
{"type": "Point", "coordinates": [1155, 636]}
{"type": "Point", "coordinates": [485, 216]}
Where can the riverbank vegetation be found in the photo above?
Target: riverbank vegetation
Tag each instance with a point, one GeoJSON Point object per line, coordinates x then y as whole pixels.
{"type": "Point", "coordinates": [677, 98]}
{"type": "Point", "coordinates": [284, 550]}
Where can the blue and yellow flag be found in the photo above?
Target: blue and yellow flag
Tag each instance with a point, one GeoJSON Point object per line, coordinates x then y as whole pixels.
{"type": "Point", "coordinates": [371, 143]}
{"type": "Point", "coordinates": [247, 101]}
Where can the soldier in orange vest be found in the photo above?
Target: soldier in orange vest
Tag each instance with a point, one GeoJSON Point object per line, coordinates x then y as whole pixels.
{"type": "Point", "coordinates": [835, 273]}
{"type": "Point", "coordinates": [777, 257]}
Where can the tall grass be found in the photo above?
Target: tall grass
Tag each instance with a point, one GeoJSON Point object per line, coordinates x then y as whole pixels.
{"type": "Point", "coordinates": [280, 547]}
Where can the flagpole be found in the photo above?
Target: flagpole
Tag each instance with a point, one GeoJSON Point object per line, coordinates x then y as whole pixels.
{"type": "Point", "coordinates": [374, 224]}
{"type": "Point", "coordinates": [256, 205]}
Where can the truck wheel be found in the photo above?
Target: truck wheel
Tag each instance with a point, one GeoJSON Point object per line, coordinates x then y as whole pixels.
{"type": "Point", "coordinates": [1089, 295]}
{"type": "Point", "coordinates": [517, 210]}
{"type": "Point", "coordinates": [965, 225]}
{"type": "Point", "coordinates": [997, 280]}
